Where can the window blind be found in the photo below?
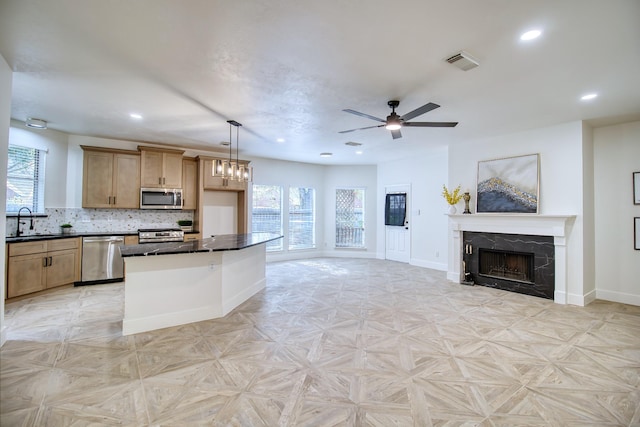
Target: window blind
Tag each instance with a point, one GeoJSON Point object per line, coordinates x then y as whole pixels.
{"type": "Point", "coordinates": [25, 179]}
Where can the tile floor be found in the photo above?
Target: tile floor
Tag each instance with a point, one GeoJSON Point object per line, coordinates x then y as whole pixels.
{"type": "Point", "coordinates": [329, 342]}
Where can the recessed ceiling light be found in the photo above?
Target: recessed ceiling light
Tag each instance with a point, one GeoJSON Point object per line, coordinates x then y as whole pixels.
{"type": "Point", "coordinates": [530, 35]}
{"type": "Point", "coordinates": [359, 152]}
{"type": "Point", "coordinates": [280, 140]}
{"type": "Point", "coordinates": [589, 96]}
{"type": "Point", "coordinates": [36, 123]}
{"type": "Point", "coordinates": [326, 154]}
{"type": "Point", "coordinates": [135, 116]}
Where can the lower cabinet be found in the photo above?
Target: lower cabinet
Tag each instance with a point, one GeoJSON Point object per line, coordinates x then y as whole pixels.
{"type": "Point", "coordinates": [192, 236]}
{"type": "Point", "coordinates": [35, 266]}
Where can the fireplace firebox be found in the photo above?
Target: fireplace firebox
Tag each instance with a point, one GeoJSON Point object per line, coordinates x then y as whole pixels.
{"type": "Point", "coordinates": [508, 265]}
{"type": "Point", "coordinates": [512, 262]}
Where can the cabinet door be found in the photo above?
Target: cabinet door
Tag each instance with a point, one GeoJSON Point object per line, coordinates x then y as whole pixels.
{"type": "Point", "coordinates": [172, 176]}
{"type": "Point", "coordinates": [151, 169]}
{"type": "Point", "coordinates": [192, 236]}
{"type": "Point", "coordinates": [126, 181]}
{"type": "Point", "coordinates": [25, 274]}
{"type": "Point", "coordinates": [211, 182]}
{"type": "Point", "coordinates": [61, 269]}
{"type": "Point", "coordinates": [97, 183]}
{"type": "Point", "coordinates": [189, 184]}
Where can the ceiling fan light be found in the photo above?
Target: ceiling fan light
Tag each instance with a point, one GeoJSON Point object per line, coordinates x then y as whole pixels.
{"type": "Point", "coordinates": [393, 126]}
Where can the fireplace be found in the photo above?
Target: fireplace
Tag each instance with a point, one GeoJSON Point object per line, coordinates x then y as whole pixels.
{"type": "Point", "coordinates": [512, 262]}
{"type": "Point", "coordinates": [507, 265]}
{"type": "Point", "coordinates": [555, 227]}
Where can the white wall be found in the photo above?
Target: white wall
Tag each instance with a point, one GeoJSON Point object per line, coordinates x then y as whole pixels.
{"type": "Point", "coordinates": [425, 172]}
{"type": "Point", "coordinates": [617, 264]}
{"type": "Point", "coordinates": [5, 114]}
{"type": "Point", "coordinates": [561, 149]}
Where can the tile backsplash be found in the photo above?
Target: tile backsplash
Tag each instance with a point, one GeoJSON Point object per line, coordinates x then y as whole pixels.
{"type": "Point", "coordinates": [98, 220]}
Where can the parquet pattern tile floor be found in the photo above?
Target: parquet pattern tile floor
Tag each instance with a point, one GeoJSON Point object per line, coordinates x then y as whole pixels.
{"type": "Point", "coordinates": [329, 342]}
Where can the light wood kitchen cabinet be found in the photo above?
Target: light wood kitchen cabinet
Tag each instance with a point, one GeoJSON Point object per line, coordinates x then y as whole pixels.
{"type": "Point", "coordinates": [110, 178]}
{"type": "Point", "coordinates": [189, 184]}
{"type": "Point", "coordinates": [192, 236]}
{"type": "Point", "coordinates": [160, 168]}
{"type": "Point", "coordinates": [35, 266]}
{"type": "Point", "coordinates": [219, 183]}
{"type": "Point", "coordinates": [130, 240]}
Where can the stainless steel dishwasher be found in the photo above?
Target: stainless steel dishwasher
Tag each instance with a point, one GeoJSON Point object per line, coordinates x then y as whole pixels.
{"type": "Point", "coordinates": [101, 259]}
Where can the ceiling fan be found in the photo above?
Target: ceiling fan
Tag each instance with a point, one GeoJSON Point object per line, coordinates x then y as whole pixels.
{"type": "Point", "coordinates": [394, 122]}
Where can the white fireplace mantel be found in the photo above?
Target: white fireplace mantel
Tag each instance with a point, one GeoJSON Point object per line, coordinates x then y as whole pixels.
{"type": "Point", "coordinates": [557, 226]}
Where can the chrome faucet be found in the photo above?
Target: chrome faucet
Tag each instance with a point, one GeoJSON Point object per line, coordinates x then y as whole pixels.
{"type": "Point", "coordinates": [18, 232]}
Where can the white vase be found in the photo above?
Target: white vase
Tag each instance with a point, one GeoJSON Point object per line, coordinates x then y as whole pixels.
{"type": "Point", "coordinates": [452, 209]}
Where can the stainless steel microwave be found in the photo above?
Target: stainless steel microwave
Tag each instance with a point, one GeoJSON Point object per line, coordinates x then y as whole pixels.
{"type": "Point", "coordinates": [160, 198]}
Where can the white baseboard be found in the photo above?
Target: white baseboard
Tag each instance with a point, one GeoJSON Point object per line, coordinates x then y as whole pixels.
{"type": "Point", "coordinates": [620, 297]}
{"type": "Point", "coordinates": [429, 264]}
{"type": "Point", "coordinates": [229, 304]}
{"type": "Point", "coordinates": [160, 321]}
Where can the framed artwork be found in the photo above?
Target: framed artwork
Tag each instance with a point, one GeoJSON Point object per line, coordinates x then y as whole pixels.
{"type": "Point", "coordinates": [636, 233]}
{"type": "Point", "coordinates": [508, 185]}
{"type": "Point", "coordinates": [636, 188]}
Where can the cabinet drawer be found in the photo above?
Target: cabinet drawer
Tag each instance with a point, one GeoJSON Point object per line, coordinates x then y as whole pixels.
{"type": "Point", "coordinates": [60, 244]}
{"type": "Point", "coordinates": [130, 240]}
{"type": "Point", "coordinates": [26, 248]}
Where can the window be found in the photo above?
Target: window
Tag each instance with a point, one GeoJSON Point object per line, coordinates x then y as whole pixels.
{"type": "Point", "coordinates": [25, 179]}
{"type": "Point", "coordinates": [302, 218]}
{"type": "Point", "coordinates": [267, 213]}
{"type": "Point", "coordinates": [350, 223]}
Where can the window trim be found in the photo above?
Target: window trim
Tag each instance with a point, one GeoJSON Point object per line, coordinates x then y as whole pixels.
{"type": "Point", "coordinates": [38, 179]}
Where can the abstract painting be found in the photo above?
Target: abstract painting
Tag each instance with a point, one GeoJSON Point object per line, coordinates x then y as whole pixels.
{"type": "Point", "coordinates": [508, 185]}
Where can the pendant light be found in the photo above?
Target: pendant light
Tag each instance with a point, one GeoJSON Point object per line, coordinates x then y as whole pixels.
{"type": "Point", "coordinates": [236, 171]}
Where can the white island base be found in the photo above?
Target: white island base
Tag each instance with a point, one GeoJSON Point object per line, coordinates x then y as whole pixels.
{"type": "Point", "coordinates": [171, 290]}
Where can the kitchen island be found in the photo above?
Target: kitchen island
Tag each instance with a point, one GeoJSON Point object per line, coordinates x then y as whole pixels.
{"type": "Point", "coordinates": [170, 284]}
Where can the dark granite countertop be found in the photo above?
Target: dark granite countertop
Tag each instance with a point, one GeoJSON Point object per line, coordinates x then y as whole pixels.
{"type": "Point", "coordinates": [36, 237]}
{"type": "Point", "coordinates": [224, 242]}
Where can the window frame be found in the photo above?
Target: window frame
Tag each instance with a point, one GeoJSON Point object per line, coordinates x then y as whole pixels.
{"type": "Point", "coordinates": [363, 220]}
{"type": "Point", "coordinates": [37, 202]}
{"type": "Point", "coordinates": [278, 244]}
{"type": "Point", "coordinates": [313, 244]}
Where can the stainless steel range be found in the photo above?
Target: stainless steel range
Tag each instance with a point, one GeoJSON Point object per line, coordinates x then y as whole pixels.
{"type": "Point", "coordinates": [160, 235]}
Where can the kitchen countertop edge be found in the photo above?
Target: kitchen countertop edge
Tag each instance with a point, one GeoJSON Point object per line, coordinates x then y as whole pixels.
{"type": "Point", "coordinates": [226, 242]}
{"type": "Point", "coordinates": [38, 237]}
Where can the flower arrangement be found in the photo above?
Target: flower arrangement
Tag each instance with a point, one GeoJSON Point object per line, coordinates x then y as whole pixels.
{"type": "Point", "coordinates": [451, 198]}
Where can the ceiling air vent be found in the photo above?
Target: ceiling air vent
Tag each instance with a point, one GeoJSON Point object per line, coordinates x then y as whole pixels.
{"type": "Point", "coordinates": [352, 144]}
{"type": "Point", "coordinates": [463, 60]}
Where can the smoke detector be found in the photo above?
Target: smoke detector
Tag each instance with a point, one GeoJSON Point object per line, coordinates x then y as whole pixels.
{"type": "Point", "coordinates": [463, 60]}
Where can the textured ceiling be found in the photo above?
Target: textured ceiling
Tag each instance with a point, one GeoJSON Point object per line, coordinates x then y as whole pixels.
{"type": "Point", "coordinates": [286, 69]}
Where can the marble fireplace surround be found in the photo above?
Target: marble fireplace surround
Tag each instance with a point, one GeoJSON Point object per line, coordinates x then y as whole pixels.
{"type": "Point", "coordinates": [538, 225]}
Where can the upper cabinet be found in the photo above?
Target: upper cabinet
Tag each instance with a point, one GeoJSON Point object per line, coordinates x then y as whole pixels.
{"type": "Point", "coordinates": [160, 168]}
{"type": "Point", "coordinates": [110, 178]}
{"type": "Point", "coordinates": [211, 182]}
{"type": "Point", "coordinates": [189, 184]}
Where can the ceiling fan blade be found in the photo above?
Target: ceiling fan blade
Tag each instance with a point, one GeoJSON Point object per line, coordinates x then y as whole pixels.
{"type": "Point", "coordinates": [430, 124]}
{"type": "Point", "coordinates": [421, 110]}
{"type": "Point", "coordinates": [368, 127]}
{"type": "Point", "coordinates": [358, 113]}
{"type": "Point", "coordinates": [396, 134]}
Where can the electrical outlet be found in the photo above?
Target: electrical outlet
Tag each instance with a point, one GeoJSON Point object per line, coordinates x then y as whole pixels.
{"type": "Point", "coordinates": [437, 254]}
{"type": "Point", "coordinates": [212, 267]}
